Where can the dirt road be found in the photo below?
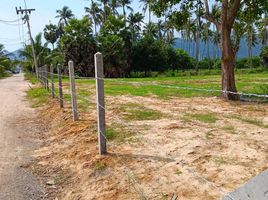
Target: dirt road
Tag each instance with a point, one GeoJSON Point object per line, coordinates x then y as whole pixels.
{"type": "Point", "coordinates": [17, 142]}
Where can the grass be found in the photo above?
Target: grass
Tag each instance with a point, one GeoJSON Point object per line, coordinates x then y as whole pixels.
{"type": "Point", "coordinates": [252, 121]}
{"type": "Point", "coordinates": [118, 133]}
{"type": "Point", "coordinates": [229, 129]}
{"type": "Point", "coordinates": [30, 77]}
{"type": "Point", "coordinates": [202, 117]}
{"type": "Point", "coordinates": [99, 166]}
{"type": "Point", "coordinates": [178, 172]}
{"type": "Point", "coordinates": [137, 112]}
{"type": "Point", "coordinates": [165, 87]}
{"type": "Point", "coordinates": [38, 96]}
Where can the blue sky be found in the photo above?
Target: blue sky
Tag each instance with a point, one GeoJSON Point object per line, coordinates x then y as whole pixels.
{"type": "Point", "coordinates": [45, 12]}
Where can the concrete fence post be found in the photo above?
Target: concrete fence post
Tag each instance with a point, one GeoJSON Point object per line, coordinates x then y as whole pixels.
{"type": "Point", "coordinates": [52, 80]}
{"type": "Point", "coordinates": [73, 91]}
{"type": "Point", "coordinates": [46, 78]}
{"type": "Point", "coordinates": [100, 103]}
{"type": "Point", "coordinates": [60, 85]}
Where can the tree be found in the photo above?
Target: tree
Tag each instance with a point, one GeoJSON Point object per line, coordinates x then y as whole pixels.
{"type": "Point", "coordinates": [79, 45]}
{"type": "Point", "coordinates": [51, 33]}
{"type": "Point", "coordinates": [147, 6]}
{"type": "Point", "coordinates": [64, 15]}
{"type": "Point", "coordinates": [229, 13]}
{"type": "Point", "coordinates": [264, 55]}
{"type": "Point", "coordinates": [125, 5]}
{"type": "Point", "coordinates": [94, 13]}
{"type": "Point", "coordinates": [263, 31]}
{"type": "Point", "coordinates": [134, 20]}
{"type": "Point", "coordinates": [115, 44]}
{"type": "Point", "coordinates": [41, 53]}
{"type": "Point", "coordinates": [114, 4]}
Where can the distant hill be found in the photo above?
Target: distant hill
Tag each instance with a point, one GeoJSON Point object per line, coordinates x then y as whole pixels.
{"type": "Point", "coordinates": [243, 52]}
{"type": "Point", "coordinates": [15, 55]}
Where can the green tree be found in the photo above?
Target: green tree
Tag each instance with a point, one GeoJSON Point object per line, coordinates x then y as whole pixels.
{"type": "Point", "coordinates": [147, 6]}
{"type": "Point", "coordinates": [64, 15]}
{"type": "Point", "coordinates": [94, 13]}
{"type": "Point", "coordinates": [41, 53]}
{"type": "Point", "coordinates": [51, 33]}
{"type": "Point", "coordinates": [229, 12]}
{"type": "Point", "coordinates": [126, 6]}
{"type": "Point", "coordinates": [79, 45]}
{"type": "Point", "coordinates": [135, 20]}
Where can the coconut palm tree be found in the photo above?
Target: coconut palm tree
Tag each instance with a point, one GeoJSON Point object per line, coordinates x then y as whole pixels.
{"type": "Point", "coordinates": [94, 13]}
{"type": "Point", "coordinates": [135, 20]}
{"type": "Point", "coordinates": [41, 52]}
{"type": "Point", "coordinates": [263, 31]}
{"type": "Point", "coordinates": [147, 6]}
{"type": "Point", "coordinates": [126, 6]}
{"type": "Point", "coordinates": [64, 15]}
{"type": "Point", "coordinates": [151, 30]}
{"type": "Point", "coordinates": [114, 4]}
{"type": "Point", "coordinates": [251, 38]}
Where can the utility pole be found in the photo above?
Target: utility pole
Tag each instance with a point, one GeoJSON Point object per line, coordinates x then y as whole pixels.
{"type": "Point", "coordinates": [27, 20]}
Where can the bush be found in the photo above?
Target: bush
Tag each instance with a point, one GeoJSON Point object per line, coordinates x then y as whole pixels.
{"type": "Point", "coordinates": [264, 55]}
{"type": "Point", "coordinates": [2, 70]}
{"type": "Point", "coordinates": [183, 60]}
{"type": "Point", "coordinates": [254, 62]}
{"type": "Point", "coordinates": [207, 63]}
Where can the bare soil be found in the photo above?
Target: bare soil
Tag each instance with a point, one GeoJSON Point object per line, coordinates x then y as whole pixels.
{"type": "Point", "coordinates": [19, 133]}
{"type": "Point", "coordinates": [192, 159]}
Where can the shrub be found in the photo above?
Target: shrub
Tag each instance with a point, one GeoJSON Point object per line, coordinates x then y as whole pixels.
{"type": "Point", "coordinates": [206, 63]}
{"type": "Point", "coordinates": [2, 70]}
{"type": "Point", "coordinates": [254, 62]}
{"type": "Point", "coordinates": [264, 55]}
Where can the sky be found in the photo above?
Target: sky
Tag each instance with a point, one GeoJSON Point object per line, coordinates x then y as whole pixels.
{"type": "Point", "coordinates": [12, 36]}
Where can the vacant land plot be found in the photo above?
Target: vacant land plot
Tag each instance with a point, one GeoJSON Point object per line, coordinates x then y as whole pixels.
{"type": "Point", "coordinates": [161, 140]}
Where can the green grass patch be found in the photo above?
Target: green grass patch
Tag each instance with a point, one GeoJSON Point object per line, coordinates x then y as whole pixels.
{"type": "Point", "coordinates": [202, 117]}
{"type": "Point", "coordinates": [165, 87]}
{"type": "Point", "coordinates": [31, 78]}
{"type": "Point", "coordinates": [252, 121]}
{"type": "Point", "coordinates": [137, 112]}
{"type": "Point", "coordinates": [99, 166]}
{"type": "Point", "coordinates": [119, 133]}
{"type": "Point", "coordinates": [178, 172]}
{"type": "Point", "coordinates": [38, 96]}
{"type": "Point", "coordinates": [229, 129]}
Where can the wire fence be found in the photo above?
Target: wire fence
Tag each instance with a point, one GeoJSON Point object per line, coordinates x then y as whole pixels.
{"type": "Point", "coordinates": [63, 88]}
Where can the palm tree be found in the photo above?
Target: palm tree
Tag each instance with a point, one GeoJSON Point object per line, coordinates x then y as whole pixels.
{"type": "Point", "coordinates": [125, 5]}
{"type": "Point", "coordinates": [104, 3]}
{"type": "Point", "coordinates": [64, 15]}
{"type": "Point", "coordinates": [94, 14]}
{"type": "Point", "coordinates": [216, 13]}
{"type": "Point", "coordinates": [251, 38]}
{"type": "Point", "coordinates": [41, 52]}
{"type": "Point", "coordinates": [135, 21]}
{"type": "Point", "coordinates": [151, 30]}
{"type": "Point", "coordinates": [51, 33]}
{"type": "Point", "coordinates": [263, 31]}
{"type": "Point", "coordinates": [114, 4]}
{"type": "Point", "coordinates": [206, 36]}
{"type": "Point", "coordinates": [147, 6]}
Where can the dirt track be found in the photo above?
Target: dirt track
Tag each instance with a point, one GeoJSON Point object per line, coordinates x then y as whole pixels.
{"type": "Point", "coordinates": [17, 141]}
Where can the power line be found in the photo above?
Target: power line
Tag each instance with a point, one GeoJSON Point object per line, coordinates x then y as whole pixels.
{"type": "Point", "coordinates": [26, 17]}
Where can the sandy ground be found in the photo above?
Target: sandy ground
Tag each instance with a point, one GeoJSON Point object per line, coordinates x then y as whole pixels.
{"type": "Point", "coordinates": [17, 141]}
{"type": "Point", "coordinates": [172, 155]}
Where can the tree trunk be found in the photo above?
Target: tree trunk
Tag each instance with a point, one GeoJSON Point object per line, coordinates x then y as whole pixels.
{"type": "Point", "coordinates": [227, 64]}
{"type": "Point", "coordinates": [150, 14]}
{"type": "Point", "coordinates": [197, 46]}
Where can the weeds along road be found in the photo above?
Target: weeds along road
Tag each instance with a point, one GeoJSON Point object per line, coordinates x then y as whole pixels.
{"type": "Point", "coordinates": [17, 141]}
